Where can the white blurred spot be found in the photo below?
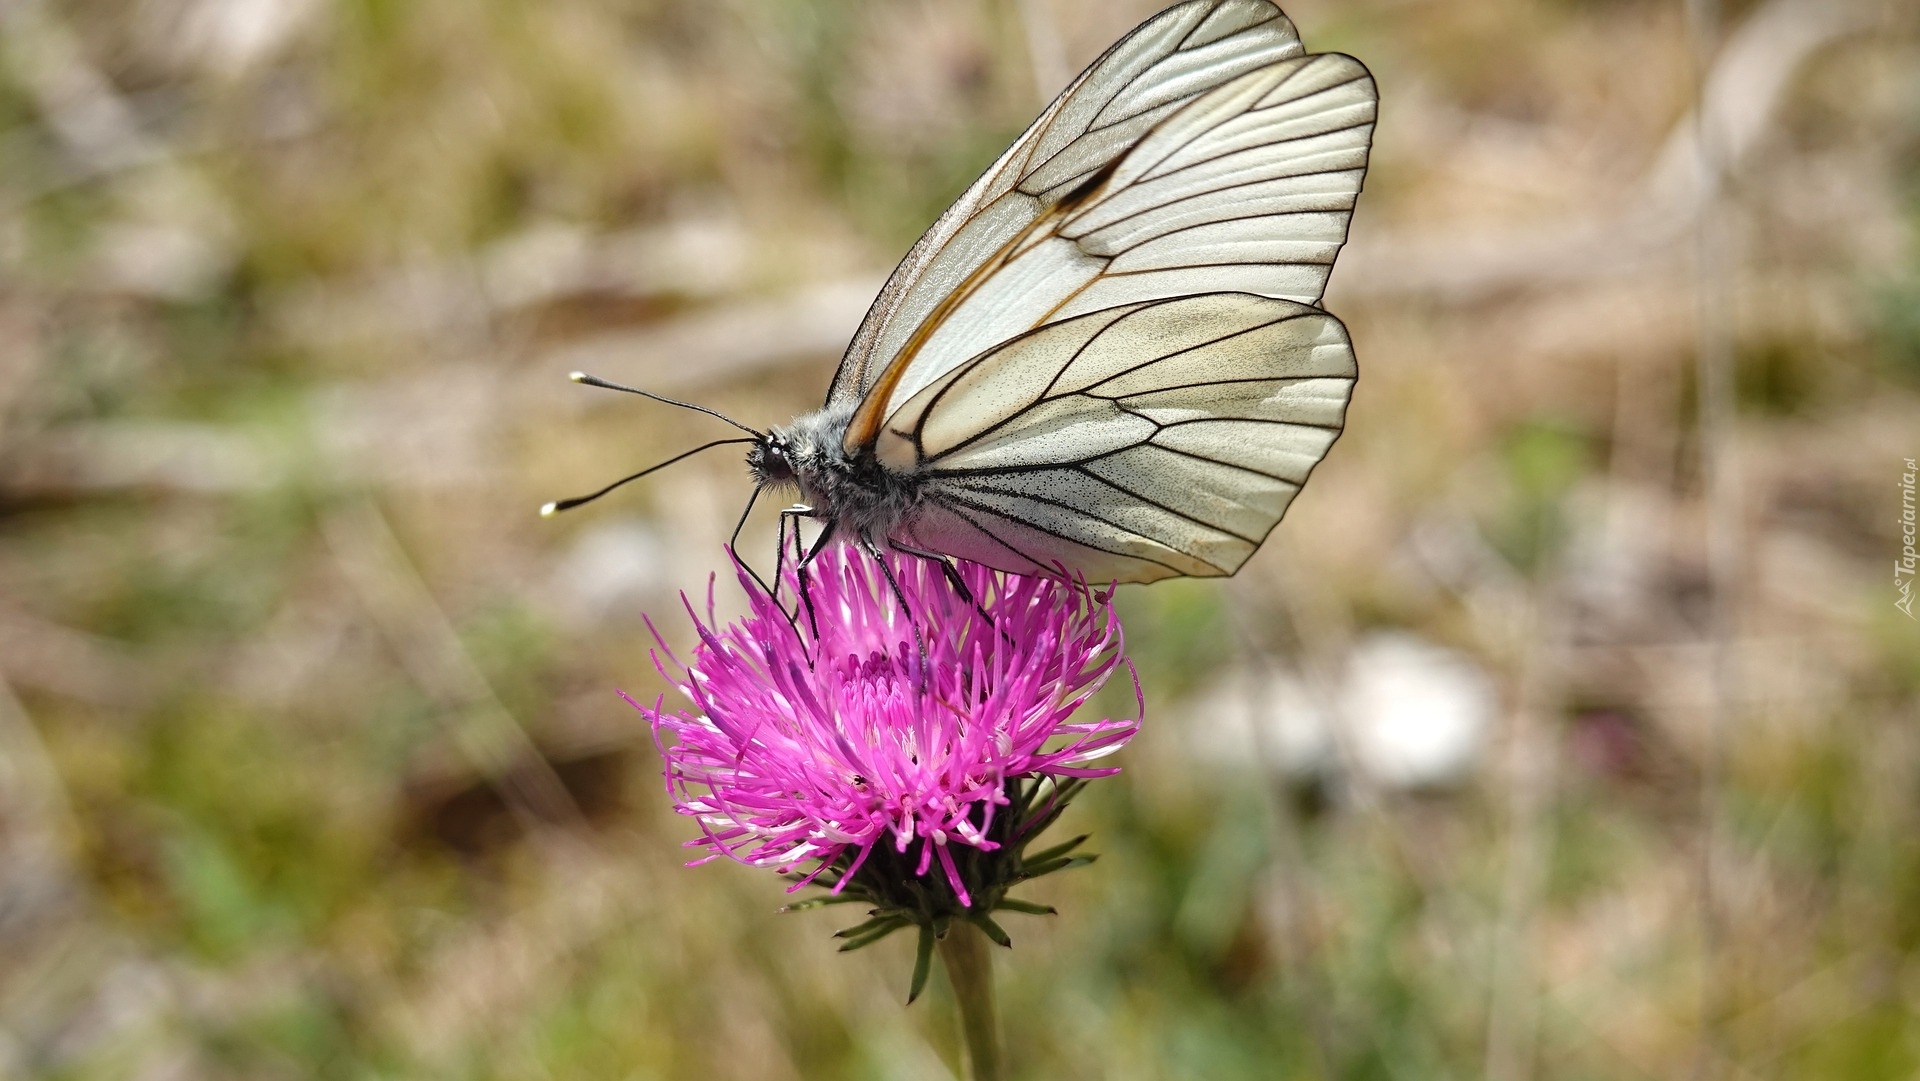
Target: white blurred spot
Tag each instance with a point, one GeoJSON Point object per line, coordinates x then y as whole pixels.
{"type": "Point", "coordinates": [160, 261]}
{"type": "Point", "coordinates": [1264, 715]}
{"type": "Point", "coordinates": [172, 238]}
{"type": "Point", "coordinates": [231, 36]}
{"type": "Point", "coordinates": [610, 573]}
{"type": "Point", "coordinates": [698, 256]}
{"type": "Point", "coordinates": [1408, 713]}
{"type": "Point", "coordinates": [1419, 713]}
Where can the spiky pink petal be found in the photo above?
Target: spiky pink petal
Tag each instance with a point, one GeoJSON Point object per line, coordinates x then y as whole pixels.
{"type": "Point", "coordinates": [803, 746]}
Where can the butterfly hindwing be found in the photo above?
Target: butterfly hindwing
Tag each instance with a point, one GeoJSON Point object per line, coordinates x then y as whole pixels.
{"type": "Point", "coordinates": [1149, 440]}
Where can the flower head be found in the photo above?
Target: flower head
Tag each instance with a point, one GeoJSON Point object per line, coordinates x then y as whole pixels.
{"type": "Point", "coordinates": [857, 738]}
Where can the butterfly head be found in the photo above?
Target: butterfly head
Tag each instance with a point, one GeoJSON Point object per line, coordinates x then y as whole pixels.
{"type": "Point", "coordinates": [803, 453]}
{"type": "Point", "coordinates": [770, 460]}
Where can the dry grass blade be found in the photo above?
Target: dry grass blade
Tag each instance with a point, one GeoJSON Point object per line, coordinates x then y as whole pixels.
{"type": "Point", "coordinates": [397, 598]}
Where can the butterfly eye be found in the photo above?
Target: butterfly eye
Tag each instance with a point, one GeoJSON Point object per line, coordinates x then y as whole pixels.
{"type": "Point", "coordinates": [768, 462]}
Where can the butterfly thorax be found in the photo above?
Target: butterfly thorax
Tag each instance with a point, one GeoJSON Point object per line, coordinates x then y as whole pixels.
{"type": "Point", "coordinates": [853, 490]}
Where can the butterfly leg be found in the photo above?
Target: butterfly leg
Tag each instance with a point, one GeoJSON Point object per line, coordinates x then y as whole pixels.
{"type": "Point", "coordinates": [733, 545]}
{"type": "Point", "coordinates": [946, 567]}
{"type": "Point", "coordinates": [780, 546]}
{"type": "Point", "coordinates": [950, 569]}
{"type": "Point", "coordinates": [806, 595]}
{"type": "Point", "coordinates": [792, 514]}
{"type": "Point", "coordinates": [797, 512]}
{"type": "Point", "coordinates": [772, 591]}
{"type": "Point", "coordinates": [899, 595]}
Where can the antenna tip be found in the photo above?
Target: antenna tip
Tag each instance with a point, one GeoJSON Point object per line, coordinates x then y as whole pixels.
{"type": "Point", "coordinates": [578, 377]}
{"type": "Point", "coordinates": [548, 510]}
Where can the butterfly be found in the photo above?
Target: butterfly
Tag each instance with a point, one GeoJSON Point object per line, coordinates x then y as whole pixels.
{"type": "Point", "coordinates": [1107, 358]}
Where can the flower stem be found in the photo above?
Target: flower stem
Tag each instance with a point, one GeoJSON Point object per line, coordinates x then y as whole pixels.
{"type": "Point", "coordinates": [964, 952]}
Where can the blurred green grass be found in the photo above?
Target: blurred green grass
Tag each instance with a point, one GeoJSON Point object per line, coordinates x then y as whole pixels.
{"type": "Point", "coordinates": [259, 817]}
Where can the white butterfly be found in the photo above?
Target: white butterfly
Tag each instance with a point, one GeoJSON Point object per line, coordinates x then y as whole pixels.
{"type": "Point", "coordinates": [1106, 358]}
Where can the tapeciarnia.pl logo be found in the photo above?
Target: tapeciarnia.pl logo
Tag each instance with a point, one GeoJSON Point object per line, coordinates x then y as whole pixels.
{"type": "Point", "coordinates": [1903, 568]}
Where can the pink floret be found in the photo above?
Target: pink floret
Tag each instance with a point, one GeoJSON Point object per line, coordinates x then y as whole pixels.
{"type": "Point", "coordinates": [802, 747]}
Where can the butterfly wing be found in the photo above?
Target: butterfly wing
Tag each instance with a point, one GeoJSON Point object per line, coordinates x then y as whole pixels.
{"type": "Point", "coordinates": [1141, 441]}
{"type": "Point", "coordinates": [1106, 357]}
{"type": "Point", "coordinates": [1247, 188]}
{"type": "Point", "coordinates": [1164, 64]}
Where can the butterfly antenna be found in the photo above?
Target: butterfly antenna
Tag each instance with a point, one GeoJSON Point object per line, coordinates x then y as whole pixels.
{"type": "Point", "coordinates": [552, 509]}
{"type": "Point", "coordinates": [603, 384]}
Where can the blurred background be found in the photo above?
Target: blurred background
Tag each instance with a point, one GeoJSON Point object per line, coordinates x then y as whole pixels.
{"type": "Point", "coordinates": [1567, 728]}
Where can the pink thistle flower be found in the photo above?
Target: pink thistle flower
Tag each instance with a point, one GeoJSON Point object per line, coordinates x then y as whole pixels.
{"type": "Point", "coordinates": [841, 747]}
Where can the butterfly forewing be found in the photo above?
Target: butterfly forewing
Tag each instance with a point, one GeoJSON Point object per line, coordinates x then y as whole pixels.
{"type": "Point", "coordinates": [1149, 75]}
{"type": "Point", "coordinates": [1248, 188]}
{"type": "Point", "coordinates": [1107, 357]}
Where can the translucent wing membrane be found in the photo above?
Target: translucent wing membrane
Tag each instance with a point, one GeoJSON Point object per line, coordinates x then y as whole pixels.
{"type": "Point", "coordinates": [1205, 153]}
{"type": "Point", "coordinates": [1147, 440]}
{"type": "Point", "coordinates": [939, 290]}
{"type": "Point", "coordinates": [1107, 355]}
{"type": "Point", "coordinates": [1248, 188]}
